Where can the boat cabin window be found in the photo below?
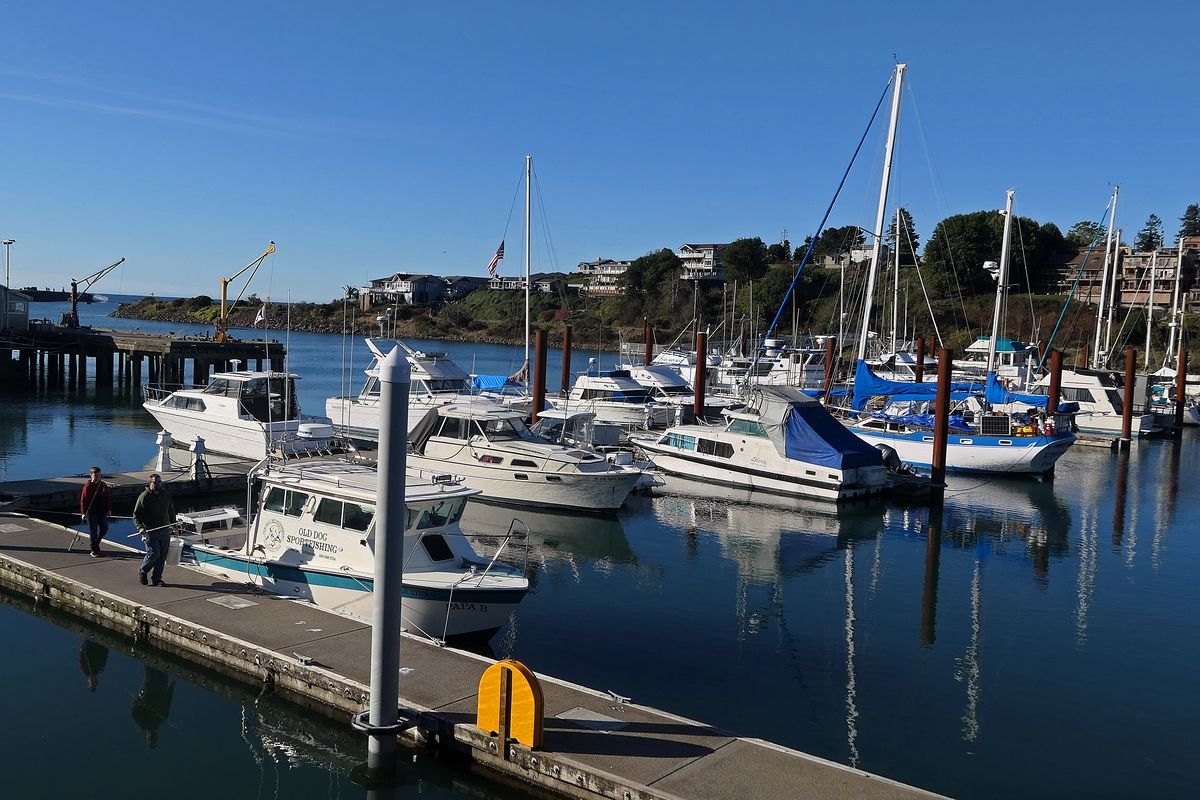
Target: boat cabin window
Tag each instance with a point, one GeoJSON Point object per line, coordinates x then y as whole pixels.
{"type": "Point", "coordinates": [454, 428]}
{"type": "Point", "coordinates": [444, 513]}
{"type": "Point", "coordinates": [503, 429]}
{"type": "Point", "coordinates": [616, 397]}
{"type": "Point", "coordinates": [747, 427]}
{"type": "Point", "coordinates": [371, 387]}
{"type": "Point", "coordinates": [285, 501]}
{"type": "Point", "coordinates": [263, 399]}
{"type": "Point", "coordinates": [351, 516]}
{"type": "Point", "coordinates": [1076, 395]}
{"type": "Point", "coordinates": [446, 385]}
{"type": "Point", "coordinates": [681, 441]}
{"type": "Point", "coordinates": [674, 390]}
{"type": "Point", "coordinates": [436, 547]}
{"type": "Point", "coordinates": [714, 448]}
{"type": "Point", "coordinates": [183, 401]}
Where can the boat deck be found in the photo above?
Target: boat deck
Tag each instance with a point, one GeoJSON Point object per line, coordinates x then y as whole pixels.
{"type": "Point", "coordinates": [594, 744]}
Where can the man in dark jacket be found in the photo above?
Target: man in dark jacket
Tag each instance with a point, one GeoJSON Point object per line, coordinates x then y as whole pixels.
{"type": "Point", "coordinates": [153, 513]}
{"type": "Point", "coordinates": [95, 507]}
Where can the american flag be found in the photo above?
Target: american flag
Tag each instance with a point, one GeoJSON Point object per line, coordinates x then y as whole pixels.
{"type": "Point", "coordinates": [496, 260]}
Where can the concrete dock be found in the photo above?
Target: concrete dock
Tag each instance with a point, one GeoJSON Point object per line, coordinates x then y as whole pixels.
{"type": "Point", "coordinates": [594, 745]}
{"type": "Point", "coordinates": [50, 494]}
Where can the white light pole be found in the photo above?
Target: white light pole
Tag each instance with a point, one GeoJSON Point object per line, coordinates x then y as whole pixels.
{"type": "Point", "coordinates": [8, 243]}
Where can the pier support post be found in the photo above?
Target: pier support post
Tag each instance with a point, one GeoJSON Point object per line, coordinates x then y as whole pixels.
{"type": "Point", "coordinates": [919, 371]}
{"type": "Point", "coordinates": [701, 374]}
{"type": "Point", "coordinates": [565, 386]}
{"type": "Point", "coordinates": [1180, 387]}
{"type": "Point", "coordinates": [137, 369]}
{"type": "Point", "coordinates": [830, 343]}
{"type": "Point", "coordinates": [104, 371]}
{"type": "Point", "coordinates": [72, 370]}
{"type": "Point", "coordinates": [1127, 400]}
{"type": "Point", "coordinates": [941, 428]}
{"type": "Point", "coordinates": [539, 372]}
{"type": "Point", "coordinates": [82, 371]}
{"type": "Point", "coordinates": [647, 342]}
{"type": "Point", "coordinates": [381, 727]}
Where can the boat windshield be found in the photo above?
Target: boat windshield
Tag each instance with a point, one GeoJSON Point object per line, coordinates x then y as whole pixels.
{"type": "Point", "coordinates": [497, 430]}
{"type": "Point", "coordinates": [747, 427]}
{"type": "Point", "coordinates": [447, 512]}
{"type": "Point", "coordinates": [674, 390]}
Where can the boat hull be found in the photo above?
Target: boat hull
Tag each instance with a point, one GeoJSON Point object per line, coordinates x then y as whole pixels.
{"type": "Point", "coordinates": [233, 437]}
{"type": "Point", "coordinates": [1028, 455]}
{"type": "Point", "coordinates": [596, 491]}
{"type": "Point", "coordinates": [439, 613]}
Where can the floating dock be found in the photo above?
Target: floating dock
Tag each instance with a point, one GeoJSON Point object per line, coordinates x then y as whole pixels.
{"type": "Point", "coordinates": [595, 744]}
{"type": "Point", "coordinates": [50, 494]}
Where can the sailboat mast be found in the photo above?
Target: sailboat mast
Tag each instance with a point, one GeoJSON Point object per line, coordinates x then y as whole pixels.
{"type": "Point", "coordinates": [528, 175]}
{"type": "Point", "coordinates": [1174, 326]}
{"type": "Point", "coordinates": [1150, 303]}
{"type": "Point", "coordinates": [896, 281]}
{"type": "Point", "coordinates": [877, 249]}
{"type": "Point", "coordinates": [1001, 280]}
{"type": "Point", "coordinates": [1097, 360]}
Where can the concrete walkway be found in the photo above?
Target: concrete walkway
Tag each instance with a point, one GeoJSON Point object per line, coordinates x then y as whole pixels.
{"type": "Point", "coordinates": [593, 746]}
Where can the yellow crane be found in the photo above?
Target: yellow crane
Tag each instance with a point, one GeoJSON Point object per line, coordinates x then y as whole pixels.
{"type": "Point", "coordinates": [71, 318]}
{"type": "Point", "coordinates": [222, 323]}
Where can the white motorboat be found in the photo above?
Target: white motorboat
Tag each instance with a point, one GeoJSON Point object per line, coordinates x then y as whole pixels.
{"type": "Point", "coordinates": [1013, 360]}
{"type": "Point", "coordinates": [783, 442]}
{"type": "Point", "coordinates": [313, 538]}
{"type": "Point", "coordinates": [614, 396]}
{"type": "Point", "coordinates": [243, 414]}
{"type": "Point", "coordinates": [436, 380]}
{"type": "Point", "coordinates": [667, 386]}
{"type": "Point", "coordinates": [490, 449]}
{"type": "Point", "coordinates": [580, 429]}
{"type": "Point", "coordinates": [1101, 404]}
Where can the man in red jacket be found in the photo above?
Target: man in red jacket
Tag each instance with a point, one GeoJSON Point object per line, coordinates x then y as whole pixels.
{"type": "Point", "coordinates": [95, 506]}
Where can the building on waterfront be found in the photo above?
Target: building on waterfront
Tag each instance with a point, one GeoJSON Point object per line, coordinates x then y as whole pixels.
{"type": "Point", "coordinates": [402, 287]}
{"type": "Point", "coordinates": [14, 310]}
{"type": "Point", "coordinates": [1135, 275]}
{"type": "Point", "coordinates": [603, 276]}
{"type": "Point", "coordinates": [539, 282]}
{"type": "Point", "coordinates": [702, 262]}
{"type": "Point", "coordinates": [457, 286]}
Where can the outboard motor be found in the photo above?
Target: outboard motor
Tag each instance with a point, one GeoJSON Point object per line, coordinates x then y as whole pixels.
{"type": "Point", "coordinates": [891, 459]}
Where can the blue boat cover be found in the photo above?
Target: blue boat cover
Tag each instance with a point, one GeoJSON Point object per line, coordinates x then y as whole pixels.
{"type": "Point", "coordinates": [1000, 396]}
{"type": "Point", "coordinates": [867, 385]}
{"type": "Point", "coordinates": [490, 383]}
{"type": "Point", "coordinates": [801, 429]}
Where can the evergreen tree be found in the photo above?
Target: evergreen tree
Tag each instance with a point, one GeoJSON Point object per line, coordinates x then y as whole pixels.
{"type": "Point", "coordinates": [908, 243]}
{"type": "Point", "coordinates": [1082, 234]}
{"type": "Point", "coordinates": [1151, 236]}
{"type": "Point", "coordinates": [745, 259]}
{"type": "Point", "coordinates": [1189, 223]}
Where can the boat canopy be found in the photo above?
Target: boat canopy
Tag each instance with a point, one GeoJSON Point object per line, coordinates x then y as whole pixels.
{"type": "Point", "coordinates": [867, 385]}
{"type": "Point", "coordinates": [801, 429]}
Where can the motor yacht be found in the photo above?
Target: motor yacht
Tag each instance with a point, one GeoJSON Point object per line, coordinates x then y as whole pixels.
{"type": "Point", "coordinates": [244, 414]}
{"type": "Point", "coordinates": [614, 396]}
{"type": "Point", "coordinates": [312, 537]}
{"type": "Point", "coordinates": [490, 449]}
{"type": "Point", "coordinates": [1099, 396]}
{"type": "Point", "coordinates": [783, 441]}
{"type": "Point", "coordinates": [580, 429]}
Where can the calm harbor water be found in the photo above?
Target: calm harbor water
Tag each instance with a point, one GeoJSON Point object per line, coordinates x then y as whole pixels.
{"type": "Point", "coordinates": [1035, 639]}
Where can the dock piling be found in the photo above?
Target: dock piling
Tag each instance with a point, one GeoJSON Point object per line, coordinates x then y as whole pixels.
{"type": "Point", "coordinates": [941, 428]}
{"type": "Point", "coordinates": [1180, 387]}
{"type": "Point", "coordinates": [1127, 400]}
{"type": "Point", "coordinates": [919, 372]}
{"type": "Point", "coordinates": [701, 375]}
{"type": "Point", "coordinates": [830, 344]}
{"type": "Point", "coordinates": [539, 372]}
{"type": "Point", "coordinates": [1056, 367]}
{"type": "Point", "coordinates": [647, 342]}
{"type": "Point", "coordinates": [381, 726]}
{"type": "Point", "coordinates": [565, 385]}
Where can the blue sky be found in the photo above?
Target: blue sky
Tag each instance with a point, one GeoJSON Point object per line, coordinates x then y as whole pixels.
{"type": "Point", "coordinates": [366, 138]}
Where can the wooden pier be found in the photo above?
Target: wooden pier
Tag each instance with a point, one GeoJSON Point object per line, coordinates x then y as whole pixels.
{"type": "Point", "coordinates": [58, 356]}
{"type": "Point", "coordinates": [595, 745]}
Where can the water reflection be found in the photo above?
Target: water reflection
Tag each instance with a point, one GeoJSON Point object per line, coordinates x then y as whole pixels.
{"type": "Point", "coordinates": [93, 658]}
{"type": "Point", "coordinates": [152, 704]}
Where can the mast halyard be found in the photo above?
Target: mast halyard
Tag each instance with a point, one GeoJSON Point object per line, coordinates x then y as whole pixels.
{"type": "Point", "coordinates": [528, 175]}
{"type": "Point", "coordinates": [1174, 325]}
{"type": "Point", "coordinates": [896, 282]}
{"type": "Point", "coordinates": [877, 249]}
{"type": "Point", "coordinates": [1150, 303]}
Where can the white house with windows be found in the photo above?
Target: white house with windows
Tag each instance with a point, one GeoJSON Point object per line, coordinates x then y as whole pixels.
{"type": "Point", "coordinates": [702, 262]}
{"type": "Point", "coordinates": [604, 275]}
{"type": "Point", "coordinates": [403, 287]}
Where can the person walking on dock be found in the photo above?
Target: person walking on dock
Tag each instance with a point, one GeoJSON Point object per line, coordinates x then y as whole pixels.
{"type": "Point", "coordinates": [154, 513]}
{"type": "Point", "coordinates": [95, 507]}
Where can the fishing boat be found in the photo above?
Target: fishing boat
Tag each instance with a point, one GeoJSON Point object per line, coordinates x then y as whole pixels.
{"type": "Point", "coordinates": [244, 414]}
{"type": "Point", "coordinates": [490, 449]}
{"type": "Point", "coordinates": [313, 538]}
{"type": "Point", "coordinates": [436, 381]}
{"type": "Point", "coordinates": [614, 396]}
{"type": "Point", "coordinates": [783, 442]}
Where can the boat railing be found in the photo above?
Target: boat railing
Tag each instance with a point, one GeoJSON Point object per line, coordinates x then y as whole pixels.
{"type": "Point", "coordinates": [159, 393]}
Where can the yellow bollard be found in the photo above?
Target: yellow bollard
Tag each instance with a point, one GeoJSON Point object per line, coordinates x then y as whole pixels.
{"type": "Point", "coordinates": [511, 704]}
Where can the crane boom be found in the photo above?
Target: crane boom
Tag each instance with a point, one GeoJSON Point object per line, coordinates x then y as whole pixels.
{"type": "Point", "coordinates": [222, 323]}
{"type": "Point", "coordinates": [71, 318]}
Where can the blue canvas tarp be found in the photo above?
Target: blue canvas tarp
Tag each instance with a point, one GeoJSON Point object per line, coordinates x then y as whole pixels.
{"type": "Point", "coordinates": [1000, 396]}
{"type": "Point", "coordinates": [802, 429]}
{"type": "Point", "coordinates": [867, 385]}
{"type": "Point", "coordinates": [491, 383]}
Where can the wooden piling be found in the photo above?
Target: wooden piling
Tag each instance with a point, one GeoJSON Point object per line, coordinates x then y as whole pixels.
{"type": "Point", "coordinates": [701, 375]}
{"type": "Point", "coordinates": [830, 344]}
{"type": "Point", "coordinates": [920, 369]}
{"type": "Point", "coordinates": [647, 342]}
{"type": "Point", "coordinates": [941, 427]}
{"type": "Point", "coordinates": [565, 385]}
{"type": "Point", "coordinates": [1180, 387]}
{"type": "Point", "coordinates": [1127, 400]}
{"type": "Point", "coordinates": [1056, 367]}
{"type": "Point", "coordinates": [539, 372]}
